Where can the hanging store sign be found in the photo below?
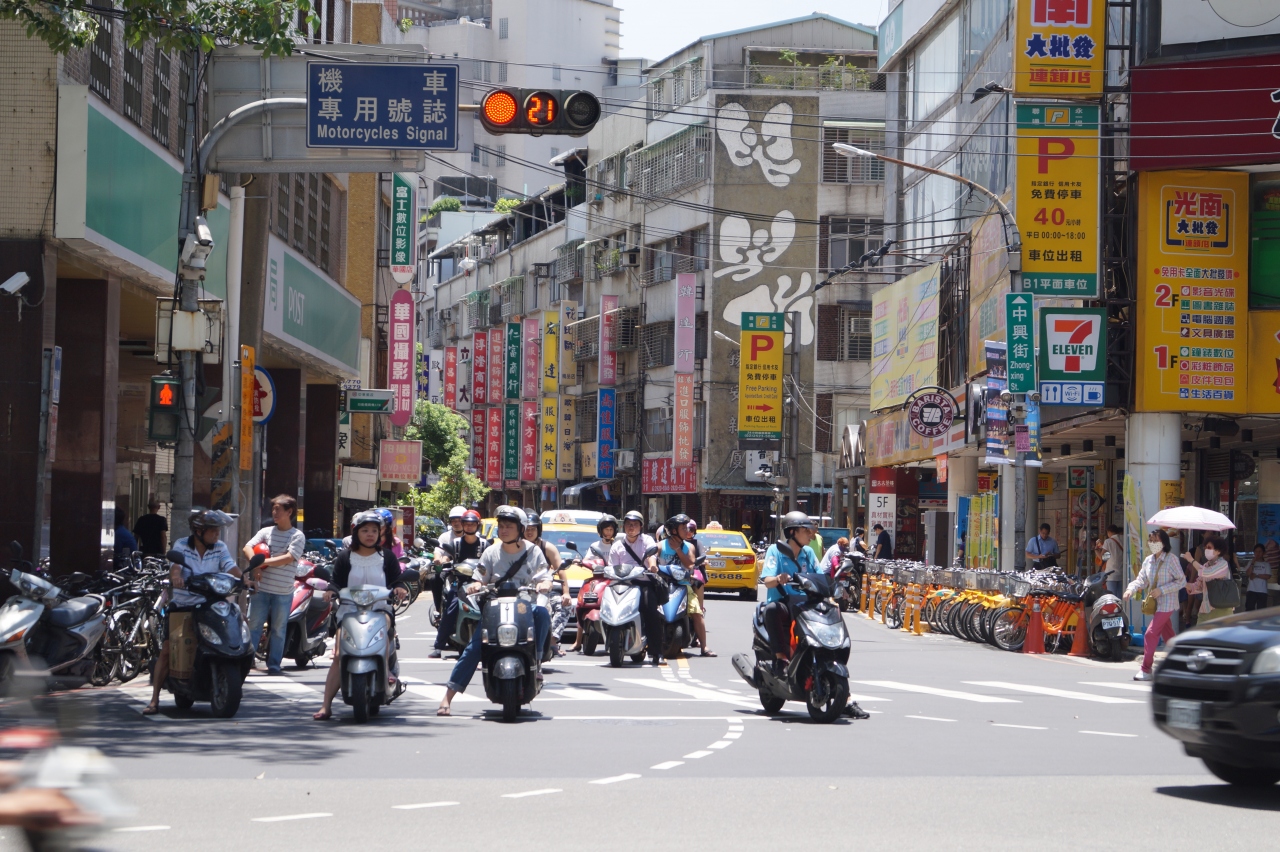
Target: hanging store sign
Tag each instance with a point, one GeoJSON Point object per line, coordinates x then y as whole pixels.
{"type": "Point", "coordinates": [686, 312]}
{"type": "Point", "coordinates": [528, 440]}
{"type": "Point", "coordinates": [587, 455]}
{"type": "Point", "coordinates": [760, 377]}
{"type": "Point", "coordinates": [995, 410]}
{"type": "Point", "coordinates": [567, 439]}
{"type": "Point", "coordinates": [1264, 362]}
{"type": "Point", "coordinates": [493, 447]}
{"type": "Point", "coordinates": [248, 398]}
{"type": "Point", "coordinates": [1060, 49]}
{"type": "Point", "coordinates": [904, 337]}
{"type": "Point", "coordinates": [511, 381]}
{"type": "Point", "coordinates": [547, 437]}
{"type": "Point", "coordinates": [682, 443]}
{"type": "Point", "coordinates": [531, 374]}
{"type": "Point", "coordinates": [480, 368]}
{"type": "Point", "coordinates": [465, 377]}
{"type": "Point", "coordinates": [399, 461]}
{"type": "Point", "coordinates": [451, 377]}
{"type": "Point", "coordinates": [1073, 356]}
{"type": "Point", "coordinates": [1058, 199]}
{"type": "Point", "coordinates": [931, 412]}
{"type": "Point", "coordinates": [1020, 329]}
{"type": "Point", "coordinates": [1193, 285]}
{"type": "Point", "coordinates": [511, 442]}
{"type": "Point", "coordinates": [551, 351]}
{"type": "Point", "coordinates": [606, 439]}
{"type": "Point", "coordinates": [435, 376]}
{"type": "Point", "coordinates": [608, 340]}
{"type": "Point", "coordinates": [659, 476]}
{"type": "Point", "coordinates": [478, 420]}
{"type": "Point", "coordinates": [404, 227]}
{"type": "Point", "coordinates": [497, 364]}
{"type": "Point", "coordinates": [882, 498]}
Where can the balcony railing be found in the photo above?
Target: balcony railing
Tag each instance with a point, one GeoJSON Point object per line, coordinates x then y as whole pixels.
{"type": "Point", "coordinates": [820, 78]}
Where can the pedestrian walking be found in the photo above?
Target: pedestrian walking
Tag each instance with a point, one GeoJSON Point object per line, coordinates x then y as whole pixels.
{"type": "Point", "coordinates": [273, 597]}
{"type": "Point", "coordinates": [1189, 607]}
{"type": "Point", "coordinates": [1220, 598]}
{"type": "Point", "coordinates": [1259, 574]}
{"type": "Point", "coordinates": [1113, 559]}
{"type": "Point", "coordinates": [152, 530]}
{"type": "Point", "coordinates": [1161, 576]}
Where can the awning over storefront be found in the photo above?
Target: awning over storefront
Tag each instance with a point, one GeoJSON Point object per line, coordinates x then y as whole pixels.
{"type": "Point", "coordinates": [576, 490]}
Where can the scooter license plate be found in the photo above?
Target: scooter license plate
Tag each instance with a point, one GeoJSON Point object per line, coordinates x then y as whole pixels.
{"type": "Point", "coordinates": [1112, 623]}
{"type": "Point", "coordinates": [590, 598]}
{"type": "Point", "coordinates": [1183, 714]}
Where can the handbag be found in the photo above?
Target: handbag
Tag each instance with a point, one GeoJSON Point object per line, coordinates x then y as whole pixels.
{"type": "Point", "coordinates": [1222, 593]}
{"type": "Point", "coordinates": [1150, 600]}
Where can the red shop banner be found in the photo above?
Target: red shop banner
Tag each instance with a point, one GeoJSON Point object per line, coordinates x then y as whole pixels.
{"type": "Point", "coordinates": [401, 357]}
{"type": "Point", "coordinates": [1201, 115]}
{"type": "Point", "coordinates": [480, 368]}
{"type": "Point", "coordinates": [451, 377]}
{"type": "Point", "coordinates": [529, 440]}
{"type": "Point", "coordinates": [531, 354]}
{"type": "Point", "coordinates": [608, 341]}
{"type": "Point", "coordinates": [477, 439]}
{"type": "Point", "coordinates": [497, 363]}
{"type": "Point", "coordinates": [660, 476]}
{"type": "Point", "coordinates": [493, 447]}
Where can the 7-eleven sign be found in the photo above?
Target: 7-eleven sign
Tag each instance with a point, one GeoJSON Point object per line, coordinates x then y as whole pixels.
{"type": "Point", "coordinates": [1073, 344]}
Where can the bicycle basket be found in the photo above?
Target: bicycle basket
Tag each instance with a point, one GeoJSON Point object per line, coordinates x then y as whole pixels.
{"type": "Point", "coordinates": [1021, 588]}
{"type": "Point", "coordinates": [971, 579]}
{"type": "Point", "coordinates": [987, 581]}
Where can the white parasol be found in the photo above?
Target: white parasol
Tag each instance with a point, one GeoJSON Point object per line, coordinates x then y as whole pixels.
{"type": "Point", "coordinates": [1191, 518]}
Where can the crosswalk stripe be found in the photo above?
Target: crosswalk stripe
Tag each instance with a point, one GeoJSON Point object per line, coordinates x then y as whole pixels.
{"type": "Point", "coordinates": [290, 690]}
{"type": "Point", "coordinates": [573, 693]}
{"type": "Point", "coordinates": [432, 692]}
{"type": "Point", "coordinates": [695, 692]}
{"type": "Point", "coordinates": [933, 690]}
{"type": "Point", "coordinates": [1056, 693]}
{"type": "Point", "coordinates": [1132, 687]}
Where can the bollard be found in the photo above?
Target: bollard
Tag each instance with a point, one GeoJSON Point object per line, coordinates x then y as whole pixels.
{"type": "Point", "coordinates": [866, 596]}
{"type": "Point", "coordinates": [918, 629]}
{"type": "Point", "coordinates": [1080, 638]}
{"type": "Point", "coordinates": [1034, 643]}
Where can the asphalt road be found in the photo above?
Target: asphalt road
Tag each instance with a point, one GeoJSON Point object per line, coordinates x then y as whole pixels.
{"type": "Point", "coordinates": [967, 747]}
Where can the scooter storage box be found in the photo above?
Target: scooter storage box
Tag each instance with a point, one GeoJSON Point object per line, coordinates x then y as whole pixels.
{"type": "Point", "coordinates": [182, 645]}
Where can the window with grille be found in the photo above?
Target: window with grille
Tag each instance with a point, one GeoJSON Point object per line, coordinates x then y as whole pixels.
{"type": "Point", "coordinates": [299, 211]}
{"type": "Point", "coordinates": [100, 59]}
{"type": "Point", "coordinates": [184, 85]}
{"type": "Point", "coordinates": [672, 165]}
{"type": "Point", "coordinates": [587, 419]}
{"type": "Point", "coordinates": [500, 158]}
{"type": "Point", "coordinates": [504, 28]}
{"type": "Point", "coordinates": [585, 335]}
{"type": "Point", "coordinates": [160, 98]}
{"type": "Point", "coordinates": [131, 103]}
{"type": "Point", "coordinates": [851, 238]}
{"type": "Point", "coordinates": [502, 72]}
{"type": "Point", "coordinates": [823, 427]}
{"type": "Point", "coordinates": [324, 259]}
{"type": "Point", "coordinates": [306, 215]}
{"type": "Point", "coordinates": [657, 430]}
{"type": "Point", "coordinates": [855, 334]}
{"type": "Point", "coordinates": [837, 168]}
{"type": "Point", "coordinates": [475, 153]}
{"type": "Point", "coordinates": [658, 344]}
{"type": "Point", "coordinates": [282, 206]}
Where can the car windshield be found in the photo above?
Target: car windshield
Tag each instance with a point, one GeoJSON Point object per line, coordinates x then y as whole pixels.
{"type": "Point", "coordinates": [727, 540]}
{"type": "Point", "coordinates": [584, 538]}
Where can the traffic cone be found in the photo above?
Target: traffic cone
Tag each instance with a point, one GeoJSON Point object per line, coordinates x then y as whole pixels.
{"type": "Point", "coordinates": [1080, 638]}
{"type": "Point", "coordinates": [1034, 643]}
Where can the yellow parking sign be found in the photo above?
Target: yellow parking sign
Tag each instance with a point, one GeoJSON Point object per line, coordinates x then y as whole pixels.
{"type": "Point", "coordinates": [760, 377]}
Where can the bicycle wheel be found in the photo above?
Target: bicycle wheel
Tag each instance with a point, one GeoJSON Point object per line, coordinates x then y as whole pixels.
{"type": "Point", "coordinates": [133, 639]}
{"type": "Point", "coordinates": [1009, 628]}
{"type": "Point", "coordinates": [893, 616]}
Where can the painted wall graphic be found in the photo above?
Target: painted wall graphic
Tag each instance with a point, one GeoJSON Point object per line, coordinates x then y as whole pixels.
{"type": "Point", "coordinates": [746, 251]}
{"type": "Point", "coordinates": [767, 142]}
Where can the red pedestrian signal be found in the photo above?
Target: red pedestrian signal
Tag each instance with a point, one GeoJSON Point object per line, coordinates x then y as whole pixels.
{"type": "Point", "coordinates": [536, 112]}
{"type": "Point", "coordinates": [162, 414]}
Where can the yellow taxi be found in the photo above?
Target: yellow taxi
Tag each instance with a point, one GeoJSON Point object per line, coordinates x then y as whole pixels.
{"type": "Point", "coordinates": [488, 527]}
{"type": "Point", "coordinates": [731, 563]}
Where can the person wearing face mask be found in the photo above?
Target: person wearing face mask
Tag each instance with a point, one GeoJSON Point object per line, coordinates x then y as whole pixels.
{"type": "Point", "coordinates": [1213, 567]}
{"type": "Point", "coordinates": [1161, 576]}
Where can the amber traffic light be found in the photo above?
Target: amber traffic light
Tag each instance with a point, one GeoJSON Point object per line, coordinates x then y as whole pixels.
{"type": "Point", "coordinates": [534, 112]}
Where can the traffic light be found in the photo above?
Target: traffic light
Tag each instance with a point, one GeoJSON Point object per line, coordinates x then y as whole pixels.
{"type": "Point", "coordinates": [557, 112]}
{"type": "Point", "coordinates": [162, 413]}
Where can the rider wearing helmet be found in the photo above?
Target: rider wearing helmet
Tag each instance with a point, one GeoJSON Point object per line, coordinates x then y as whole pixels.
{"type": "Point", "coordinates": [598, 555]}
{"type": "Point", "coordinates": [782, 561]}
{"type": "Point", "coordinates": [512, 559]}
{"type": "Point", "coordinates": [560, 614]}
{"type": "Point", "coordinates": [203, 553]}
{"type": "Point", "coordinates": [389, 538]}
{"type": "Point", "coordinates": [468, 545]}
{"type": "Point", "coordinates": [631, 549]}
{"type": "Point", "coordinates": [678, 547]}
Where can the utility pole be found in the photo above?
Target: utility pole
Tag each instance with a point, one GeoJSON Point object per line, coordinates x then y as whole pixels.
{"type": "Point", "coordinates": [793, 456]}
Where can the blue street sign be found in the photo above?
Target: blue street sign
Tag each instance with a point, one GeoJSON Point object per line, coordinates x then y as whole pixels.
{"type": "Point", "coordinates": [382, 105]}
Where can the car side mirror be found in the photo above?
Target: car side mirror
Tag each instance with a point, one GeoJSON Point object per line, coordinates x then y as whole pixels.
{"type": "Point", "coordinates": [255, 562]}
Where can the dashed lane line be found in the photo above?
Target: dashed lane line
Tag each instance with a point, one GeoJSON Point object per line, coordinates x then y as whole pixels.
{"type": "Point", "coordinates": [721, 744]}
{"type": "Point", "coordinates": [931, 718]}
{"type": "Point", "coordinates": [695, 755]}
{"type": "Point", "coordinates": [422, 805]}
{"type": "Point", "coordinates": [526, 794]}
{"type": "Point", "coordinates": [1020, 727]}
{"type": "Point", "coordinates": [670, 764]}
{"type": "Point", "coordinates": [933, 690]}
{"type": "Point", "coordinates": [290, 817]}
{"type": "Point", "coordinates": [1056, 693]}
{"type": "Point", "coordinates": [128, 829]}
{"type": "Point", "coordinates": [1109, 734]}
{"type": "Point", "coordinates": [629, 776]}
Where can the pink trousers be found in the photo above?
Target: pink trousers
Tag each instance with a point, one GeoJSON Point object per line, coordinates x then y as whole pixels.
{"type": "Point", "coordinates": [1161, 627]}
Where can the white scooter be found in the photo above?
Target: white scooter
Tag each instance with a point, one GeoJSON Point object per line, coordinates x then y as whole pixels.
{"type": "Point", "coordinates": [368, 652]}
{"type": "Point", "coordinates": [620, 613]}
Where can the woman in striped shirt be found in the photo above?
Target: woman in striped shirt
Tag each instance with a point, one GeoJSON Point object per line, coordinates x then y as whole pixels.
{"type": "Point", "coordinates": [1161, 576]}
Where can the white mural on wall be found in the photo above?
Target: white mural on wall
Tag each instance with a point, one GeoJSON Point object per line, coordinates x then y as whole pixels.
{"type": "Point", "coordinates": [784, 300]}
{"type": "Point", "coordinates": [770, 145]}
{"type": "Point", "coordinates": [746, 251]}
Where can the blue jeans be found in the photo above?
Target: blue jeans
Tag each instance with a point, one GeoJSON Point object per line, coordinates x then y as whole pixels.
{"type": "Point", "coordinates": [465, 668]}
{"type": "Point", "coordinates": [448, 621]}
{"type": "Point", "coordinates": [266, 608]}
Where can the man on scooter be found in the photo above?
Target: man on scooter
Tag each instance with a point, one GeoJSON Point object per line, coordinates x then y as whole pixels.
{"type": "Point", "coordinates": [607, 529]}
{"type": "Point", "coordinates": [441, 556]}
{"type": "Point", "coordinates": [510, 559]}
{"type": "Point", "coordinates": [676, 547]}
{"type": "Point", "coordinates": [631, 550]}
{"type": "Point", "coordinates": [467, 545]}
{"type": "Point", "coordinates": [782, 561]}
{"type": "Point", "coordinates": [204, 554]}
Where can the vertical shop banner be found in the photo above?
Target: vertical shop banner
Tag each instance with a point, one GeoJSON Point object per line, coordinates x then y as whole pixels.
{"type": "Point", "coordinates": [531, 375]}
{"type": "Point", "coordinates": [493, 447]}
{"type": "Point", "coordinates": [247, 382]}
{"type": "Point", "coordinates": [1072, 367]}
{"type": "Point", "coordinates": [686, 313]}
{"type": "Point", "coordinates": [450, 399]}
{"type": "Point", "coordinates": [568, 314]}
{"type": "Point", "coordinates": [587, 456]}
{"type": "Point", "coordinates": [402, 355]}
{"type": "Point", "coordinates": [480, 368]}
{"type": "Point", "coordinates": [882, 497]}
{"type": "Point", "coordinates": [529, 441]}
{"type": "Point", "coordinates": [551, 351]}
{"type": "Point", "coordinates": [566, 439]}
{"type": "Point", "coordinates": [547, 437]}
{"type": "Point", "coordinates": [511, 381]}
{"type": "Point", "coordinates": [760, 377]}
{"type": "Point", "coordinates": [435, 376]}
{"type": "Point", "coordinates": [464, 379]}
{"type": "Point", "coordinates": [1059, 199]}
{"type": "Point", "coordinates": [608, 341]}
{"type": "Point", "coordinates": [497, 364]}
{"type": "Point", "coordinates": [478, 421]}
{"type": "Point", "coordinates": [988, 282]}
{"type": "Point", "coordinates": [682, 445]}
{"type": "Point", "coordinates": [1264, 364]}
{"type": "Point", "coordinates": [511, 443]}
{"type": "Point", "coordinates": [404, 227]}
{"type": "Point", "coordinates": [605, 437]}
{"type": "Point", "coordinates": [1060, 48]}
{"type": "Point", "coordinates": [1020, 366]}
{"type": "Point", "coordinates": [904, 337]}
{"type": "Point", "coordinates": [1193, 287]}
{"type": "Point", "coordinates": [997, 413]}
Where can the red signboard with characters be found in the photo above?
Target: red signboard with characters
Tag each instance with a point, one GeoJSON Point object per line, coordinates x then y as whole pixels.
{"type": "Point", "coordinates": [1201, 115]}
{"type": "Point", "coordinates": [493, 447]}
{"type": "Point", "coordinates": [402, 357]}
{"type": "Point", "coordinates": [477, 440]}
{"type": "Point", "coordinates": [529, 440]}
{"type": "Point", "coordinates": [531, 353]}
{"type": "Point", "coordinates": [608, 341]}
{"type": "Point", "coordinates": [451, 377]}
{"type": "Point", "coordinates": [659, 476]}
{"type": "Point", "coordinates": [480, 368]}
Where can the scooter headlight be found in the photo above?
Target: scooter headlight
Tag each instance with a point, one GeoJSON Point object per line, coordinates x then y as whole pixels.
{"type": "Point", "coordinates": [244, 633]}
{"type": "Point", "coordinates": [222, 584]}
{"type": "Point", "coordinates": [363, 597]}
{"type": "Point", "coordinates": [507, 634]}
{"type": "Point", "coordinates": [209, 635]}
{"type": "Point", "coordinates": [221, 608]}
{"type": "Point", "coordinates": [830, 635]}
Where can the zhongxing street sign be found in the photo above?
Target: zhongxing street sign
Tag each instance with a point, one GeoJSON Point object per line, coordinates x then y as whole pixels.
{"type": "Point", "coordinates": [1019, 327]}
{"type": "Point", "coordinates": [370, 401]}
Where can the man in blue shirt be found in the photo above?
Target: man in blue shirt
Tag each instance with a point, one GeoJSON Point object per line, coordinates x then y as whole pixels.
{"type": "Point", "coordinates": [782, 561]}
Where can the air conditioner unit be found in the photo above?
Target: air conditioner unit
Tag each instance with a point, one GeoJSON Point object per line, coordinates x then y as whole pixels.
{"type": "Point", "coordinates": [624, 459]}
{"type": "Point", "coordinates": [631, 258]}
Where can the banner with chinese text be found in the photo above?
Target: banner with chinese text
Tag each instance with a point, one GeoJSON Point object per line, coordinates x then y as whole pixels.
{"type": "Point", "coordinates": [682, 439]}
{"type": "Point", "coordinates": [401, 357]}
{"type": "Point", "coordinates": [480, 368]}
{"type": "Point", "coordinates": [531, 377]}
{"type": "Point", "coordinates": [451, 377]}
{"type": "Point", "coordinates": [1060, 48]}
{"type": "Point", "coordinates": [608, 340]}
{"type": "Point", "coordinates": [547, 440]}
{"type": "Point", "coordinates": [529, 441]}
{"type": "Point", "coordinates": [605, 438]}
{"type": "Point", "coordinates": [511, 383]}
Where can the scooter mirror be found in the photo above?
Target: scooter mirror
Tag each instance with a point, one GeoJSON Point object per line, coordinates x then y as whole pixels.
{"type": "Point", "coordinates": [572, 545]}
{"type": "Point", "coordinates": [431, 543]}
{"type": "Point", "coordinates": [176, 557]}
{"type": "Point", "coordinates": [653, 551]}
{"type": "Point", "coordinates": [255, 562]}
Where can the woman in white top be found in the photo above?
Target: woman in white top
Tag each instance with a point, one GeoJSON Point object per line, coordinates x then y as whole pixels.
{"type": "Point", "coordinates": [363, 564]}
{"type": "Point", "coordinates": [1255, 596]}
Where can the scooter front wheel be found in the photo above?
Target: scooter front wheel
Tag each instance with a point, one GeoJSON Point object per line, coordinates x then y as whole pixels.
{"type": "Point", "coordinates": [510, 693]}
{"type": "Point", "coordinates": [361, 690]}
{"type": "Point", "coordinates": [827, 700]}
{"type": "Point", "coordinates": [227, 691]}
{"type": "Point", "coordinates": [589, 643]}
{"type": "Point", "coordinates": [616, 651]}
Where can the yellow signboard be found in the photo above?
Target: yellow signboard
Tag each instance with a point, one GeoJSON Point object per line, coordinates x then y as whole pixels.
{"type": "Point", "coordinates": [988, 282]}
{"type": "Point", "coordinates": [551, 352]}
{"type": "Point", "coordinates": [760, 377]}
{"type": "Point", "coordinates": [1060, 49]}
{"type": "Point", "coordinates": [587, 454]}
{"type": "Point", "coordinates": [566, 438]}
{"type": "Point", "coordinates": [1264, 362]}
{"type": "Point", "coordinates": [1044, 484]}
{"type": "Point", "coordinates": [547, 437]}
{"type": "Point", "coordinates": [1170, 493]}
{"type": "Point", "coordinates": [1193, 288]}
{"type": "Point", "coordinates": [904, 337]}
{"type": "Point", "coordinates": [1058, 199]}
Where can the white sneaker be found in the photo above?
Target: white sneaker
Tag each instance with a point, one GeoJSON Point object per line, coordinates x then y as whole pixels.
{"type": "Point", "coordinates": [1141, 675]}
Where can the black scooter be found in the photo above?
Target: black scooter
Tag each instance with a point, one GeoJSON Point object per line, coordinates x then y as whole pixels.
{"type": "Point", "coordinates": [1108, 623]}
{"type": "Point", "coordinates": [224, 652]}
{"type": "Point", "coordinates": [816, 673]}
{"type": "Point", "coordinates": [509, 650]}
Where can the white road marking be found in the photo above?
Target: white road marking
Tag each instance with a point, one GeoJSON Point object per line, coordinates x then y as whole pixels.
{"type": "Point", "coordinates": [1133, 687]}
{"type": "Point", "coordinates": [670, 764]}
{"type": "Point", "coordinates": [733, 735]}
{"type": "Point", "coordinates": [1056, 693]}
{"type": "Point", "coordinates": [132, 828]}
{"type": "Point", "coordinates": [287, 689]}
{"type": "Point", "coordinates": [931, 718]}
{"type": "Point", "coordinates": [528, 793]}
{"type": "Point", "coordinates": [290, 817]}
{"type": "Point", "coordinates": [1021, 727]}
{"type": "Point", "coordinates": [423, 805]}
{"type": "Point", "coordinates": [630, 776]}
{"type": "Point", "coordinates": [644, 718]}
{"type": "Point", "coordinates": [933, 690]}
{"type": "Point", "coordinates": [434, 692]}
{"type": "Point", "coordinates": [1108, 734]}
{"type": "Point", "coordinates": [721, 744]}
{"type": "Point", "coordinates": [694, 755]}
{"type": "Point", "coordinates": [695, 692]}
{"type": "Point", "coordinates": [570, 692]}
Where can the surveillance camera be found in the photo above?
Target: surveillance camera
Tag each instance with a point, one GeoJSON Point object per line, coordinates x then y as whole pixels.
{"type": "Point", "coordinates": [15, 283]}
{"type": "Point", "coordinates": [196, 248]}
{"type": "Point", "coordinates": [1006, 397]}
{"type": "Point", "coordinates": [1034, 396]}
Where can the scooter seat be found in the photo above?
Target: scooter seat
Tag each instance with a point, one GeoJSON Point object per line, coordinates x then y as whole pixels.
{"type": "Point", "coordinates": [75, 611]}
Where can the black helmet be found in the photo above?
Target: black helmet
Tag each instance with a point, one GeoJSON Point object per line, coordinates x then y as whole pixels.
{"type": "Point", "coordinates": [633, 515]}
{"type": "Point", "coordinates": [606, 521]}
{"type": "Point", "coordinates": [797, 520]}
{"type": "Point", "coordinates": [859, 531]}
{"type": "Point", "coordinates": [534, 520]}
{"type": "Point", "coordinates": [510, 513]}
{"type": "Point", "coordinates": [675, 522]}
{"type": "Point", "coordinates": [208, 519]}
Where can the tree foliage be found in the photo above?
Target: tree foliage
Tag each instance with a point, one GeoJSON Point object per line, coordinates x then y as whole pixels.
{"type": "Point", "coordinates": [455, 488]}
{"type": "Point", "coordinates": [506, 205]}
{"type": "Point", "coordinates": [445, 203]}
{"type": "Point", "coordinates": [182, 25]}
{"type": "Point", "coordinates": [440, 431]}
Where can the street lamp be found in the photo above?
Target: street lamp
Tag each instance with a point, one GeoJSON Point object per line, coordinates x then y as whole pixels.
{"type": "Point", "coordinates": [1014, 250]}
{"type": "Point", "coordinates": [727, 339]}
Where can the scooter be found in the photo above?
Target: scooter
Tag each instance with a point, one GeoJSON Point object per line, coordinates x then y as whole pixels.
{"type": "Point", "coordinates": [45, 633]}
{"type": "Point", "coordinates": [509, 649]}
{"type": "Point", "coordinates": [224, 651]}
{"type": "Point", "coordinates": [456, 576]}
{"type": "Point", "coordinates": [311, 618]}
{"type": "Point", "coordinates": [1108, 623]}
{"type": "Point", "coordinates": [590, 594]}
{"type": "Point", "coordinates": [367, 652]}
{"type": "Point", "coordinates": [817, 672]}
{"type": "Point", "coordinates": [678, 630]}
{"type": "Point", "coordinates": [620, 617]}
{"type": "Point", "coordinates": [848, 581]}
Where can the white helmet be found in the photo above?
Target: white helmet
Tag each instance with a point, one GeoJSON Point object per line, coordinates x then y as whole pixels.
{"type": "Point", "coordinates": [456, 513]}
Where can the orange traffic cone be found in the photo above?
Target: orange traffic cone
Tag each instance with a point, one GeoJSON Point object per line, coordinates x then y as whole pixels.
{"type": "Point", "coordinates": [1080, 638]}
{"type": "Point", "coordinates": [1034, 643]}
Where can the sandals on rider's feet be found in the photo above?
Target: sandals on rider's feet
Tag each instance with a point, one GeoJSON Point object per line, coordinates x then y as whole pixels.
{"type": "Point", "coordinates": [442, 711]}
{"type": "Point", "coordinates": [322, 715]}
{"type": "Point", "coordinates": [706, 653]}
{"type": "Point", "coordinates": [151, 710]}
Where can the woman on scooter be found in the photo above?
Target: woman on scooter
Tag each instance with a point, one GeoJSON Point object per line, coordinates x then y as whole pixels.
{"type": "Point", "coordinates": [676, 548]}
{"type": "Point", "coordinates": [560, 616]}
{"type": "Point", "coordinates": [598, 552]}
{"type": "Point", "coordinates": [366, 563]}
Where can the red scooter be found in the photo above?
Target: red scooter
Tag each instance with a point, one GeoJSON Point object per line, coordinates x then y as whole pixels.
{"type": "Point", "coordinates": [312, 619]}
{"type": "Point", "coordinates": [589, 597]}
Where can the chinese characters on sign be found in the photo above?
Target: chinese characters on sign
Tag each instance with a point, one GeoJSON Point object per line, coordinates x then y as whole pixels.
{"type": "Point", "coordinates": [511, 442]}
{"type": "Point", "coordinates": [682, 442]}
{"type": "Point", "coordinates": [477, 440]}
{"type": "Point", "coordinates": [512, 382]}
{"type": "Point", "coordinates": [404, 231]}
{"type": "Point", "coordinates": [493, 447]}
{"type": "Point", "coordinates": [435, 377]}
{"type": "Point", "coordinates": [686, 309]}
{"type": "Point", "coordinates": [1060, 48]}
{"type": "Point", "coordinates": [547, 436]}
{"type": "Point", "coordinates": [1020, 326]}
{"type": "Point", "coordinates": [567, 439]}
{"type": "Point", "coordinates": [659, 476]}
{"type": "Point", "coordinates": [247, 399]}
{"type": "Point", "coordinates": [451, 377]}
{"type": "Point", "coordinates": [605, 436]}
{"type": "Point", "coordinates": [497, 364]}
{"type": "Point", "coordinates": [382, 105]}
{"type": "Point", "coordinates": [1193, 267]}
{"type": "Point", "coordinates": [551, 351]}
{"type": "Point", "coordinates": [400, 461]}
{"type": "Point", "coordinates": [480, 368]}
{"type": "Point", "coordinates": [904, 337]}
{"type": "Point", "coordinates": [760, 378]}
{"type": "Point", "coordinates": [463, 380]}
{"type": "Point", "coordinates": [529, 441]}
{"type": "Point", "coordinates": [402, 356]}
{"type": "Point", "coordinates": [1058, 199]}
{"type": "Point", "coordinates": [608, 340]}
{"type": "Point", "coordinates": [532, 379]}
